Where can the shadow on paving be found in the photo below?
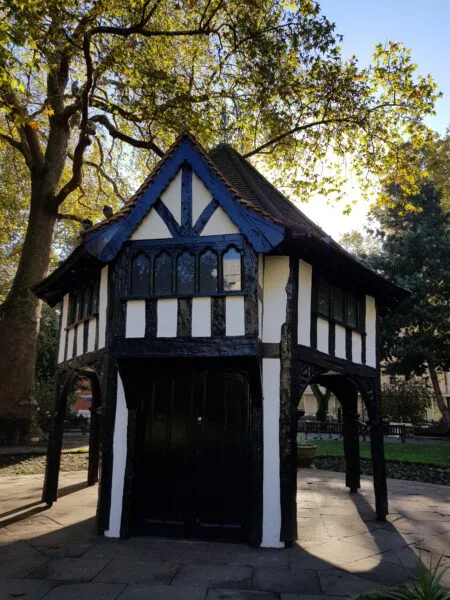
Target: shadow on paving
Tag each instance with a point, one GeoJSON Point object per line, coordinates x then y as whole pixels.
{"type": "Point", "coordinates": [342, 550]}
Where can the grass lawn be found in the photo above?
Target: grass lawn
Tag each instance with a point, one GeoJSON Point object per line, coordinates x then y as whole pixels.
{"type": "Point", "coordinates": [437, 454]}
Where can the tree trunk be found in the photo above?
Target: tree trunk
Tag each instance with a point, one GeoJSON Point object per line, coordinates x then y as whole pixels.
{"type": "Point", "coordinates": [437, 391]}
{"type": "Point", "coordinates": [19, 326]}
{"type": "Point", "coordinates": [322, 401]}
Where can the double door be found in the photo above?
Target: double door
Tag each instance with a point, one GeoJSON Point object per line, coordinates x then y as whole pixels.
{"type": "Point", "coordinates": [194, 456]}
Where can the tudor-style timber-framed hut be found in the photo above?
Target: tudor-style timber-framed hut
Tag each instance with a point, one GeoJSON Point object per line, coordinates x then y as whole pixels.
{"type": "Point", "coordinates": [201, 311]}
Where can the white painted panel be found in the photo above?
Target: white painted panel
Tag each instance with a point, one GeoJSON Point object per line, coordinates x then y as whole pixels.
{"type": "Point", "coordinates": [200, 197]}
{"type": "Point", "coordinates": [70, 336]}
{"type": "Point", "coordinates": [322, 335]}
{"type": "Point", "coordinates": [201, 317]}
{"type": "Point", "coordinates": [234, 315]}
{"type": "Point", "coordinates": [339, 348]}
{"type": "Point", "coordinates": [271, 445]}
{"type": "Point", "coordinates": [152, 227]}
{"type": "Point", "coordinates": [63, 332]}
{"type": "Point", "coordinates": [304, 303]}
{"type": "Point", "coordinates": [119, 462]}
{"type": "Point", "coordinates": [172, 197]}
{"type": "Point", "coordinates": [356, 347]}
{"type": "Point", "coordinates": [219, 224]}
{"type": "Point", "coordinates": [91, 334]}
{"type": "Point", "coordinates": [371, 328]}
{"type": "Point", "coordinates": [276, 274]}
{"type": "Point", "coordinates": [80, 336]}
{"type": "Point", "coordinates": [135, 322]}
{"type": "Point", "coordinates": [167, 313]}
{"type": "Point", "coordinates": [103, 307]}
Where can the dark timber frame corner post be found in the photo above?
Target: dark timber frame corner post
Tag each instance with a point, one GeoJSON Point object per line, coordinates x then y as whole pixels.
{"type": "Point", "coordinates": [350, 431]}
{"type": "Point", "coordinates": [289, 390]}
{"type": "Point", "coordinates": [372, 398]}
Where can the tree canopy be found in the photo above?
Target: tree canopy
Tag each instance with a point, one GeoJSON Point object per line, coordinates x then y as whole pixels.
{"type": "Point", "coordinates": [415, 253]}
{"type": "Point", "coordinates": [93, 93]}
{"type": "Point", "coordinates": [139, 71]}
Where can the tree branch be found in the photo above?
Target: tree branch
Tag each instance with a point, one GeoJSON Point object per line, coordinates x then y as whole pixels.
{"type": "Point", "coordinates": [67, 217]}
{"type": "Point", "coordinates": [114, 132]}
{"type": "Point", "coordinates": [298, 128]}
{"type": "Point", "coordinates": [21, 147]}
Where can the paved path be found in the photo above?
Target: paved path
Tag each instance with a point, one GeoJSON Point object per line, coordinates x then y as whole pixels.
{"type": "Point", "coordinates": [342, 550]}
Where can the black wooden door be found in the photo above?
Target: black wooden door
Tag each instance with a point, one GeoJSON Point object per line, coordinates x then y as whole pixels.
{"type": "Point", "coordinates": [195, 452]}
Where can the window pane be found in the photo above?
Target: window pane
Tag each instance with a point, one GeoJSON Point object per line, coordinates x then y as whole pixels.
{"type": "Point", "coordinates": [352, 311]}
{"type": "Point", "coordinates": [208, 272]}
{"type": "Point", "coordinates": [78, 306]}
{"type": "Point", "coordinates": [185, 273]}
{"type": "Point", "coordinates": [140, 272]}
{"type": "Point", "coordinates": [338, 304]}
{"type": "Point", "coordinates": [94, 297]}
{"type": "Point", "coordinates": [163, 274]}
{"type": "Point", "coordinates": [86, 301]}
{"type": "Point", "coordinates": [232, 270]}
{"type": "Point", "coordinates": [323, 297]}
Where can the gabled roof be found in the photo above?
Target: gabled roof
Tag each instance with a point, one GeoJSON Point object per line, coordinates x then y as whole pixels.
{"type": "Point", "coordinates": [263, 231]}
{"type": "Point", "coordinates": [270, 221]}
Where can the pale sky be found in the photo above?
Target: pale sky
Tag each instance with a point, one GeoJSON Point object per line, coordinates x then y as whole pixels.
{"type": "Point", "coordinates": [421, 26]}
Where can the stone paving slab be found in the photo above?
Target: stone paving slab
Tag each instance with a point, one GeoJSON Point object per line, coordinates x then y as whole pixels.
{"type": "Point", "coordinates": [284, 580]}
{"type": "Point", "coordinates": [342, 550]}
{"type": "Point", "coordinates": [68, 569]}
{"type": "Point", "coordinates": [213, 576]}
{"type": "Point", "coordinates": [162, 592]}
{"type": "Point", "coordinates": [128, 571]}
{"type": "Point", "coordinates": [24, 589]}
{"type": "Point", "coordinates": [90, 591]}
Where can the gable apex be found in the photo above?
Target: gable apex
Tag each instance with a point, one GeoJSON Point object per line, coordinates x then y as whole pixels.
{"type": "Point", "coordinates": [187, 156]}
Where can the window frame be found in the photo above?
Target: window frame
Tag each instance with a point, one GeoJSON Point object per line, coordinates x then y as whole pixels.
{"type": "Point", "coordinates": [153, 251]}
{"type": "Point", "coordinates": [347, 294]}
{"type": "Point", "coordinates": [77, 312]}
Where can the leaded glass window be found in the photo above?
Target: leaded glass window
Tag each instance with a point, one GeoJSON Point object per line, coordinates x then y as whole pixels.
{"type": "Point", "coordinates": [186, 273]}
{"type": "Point", "coordinates": [163, 274]}
{"type": "Point", "coordinates": [232, 276]}
{"type": "Point", "coordinates": [208, 272]}
{"type": "Point", "coordinates": [140, 275]}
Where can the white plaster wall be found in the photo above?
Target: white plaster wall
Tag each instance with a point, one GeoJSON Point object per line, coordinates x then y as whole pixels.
{"type": "Point", "coordinates": [304, 303]}
{"type": "Point", "coordinates": [201, 317]}
{"type": "Point", "coordinates": [200, 197]}
{"type": "Point", "coordinates": [234, 315]}
{"type": "Point", "coordinates": [167, 313]}
{"type": "Point", "coordinates": [371, 328]}
{"type": "Point", "coordinates": [339, 349]}
{"type": "Point", "coordinates": [322, 335]}
{"type": "Point", "coordinates": [63, 332]}
{"type": "Point", "coordinates": [135, 321]}
{"type": "Point", "coordinates": [171, 197]}
{"type": "Point", "coordinates": [356, 347]}
{"type": "Point", "coordinates": [271, 443]}
{"type": "Point", "coordinates": [102, 307]}
{"type": "Point", "coordinates": [219, 224]}
{"type": "Point", "coordinates": [152, 227]}
{"type": "Point", "coordinates": [91, 335]}
{"type": "Point", "coordinates": [80, 336]}
{"type": "Point", "coordinates": [119, 462]}
{"type": "Point", "coordinates": [70, 336]}
{"type": "Point", "coordinates": [276, 274]}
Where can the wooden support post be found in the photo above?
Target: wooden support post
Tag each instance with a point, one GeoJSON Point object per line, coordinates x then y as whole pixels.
{"type": "Point", "coordinates": [350, 430]}
{"type": "Point", "coordinates": [50, 490]}
{"type": "Point", "coordinates": [289, 398]}
{"type": "Point", "coordinates": [94, 433]}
